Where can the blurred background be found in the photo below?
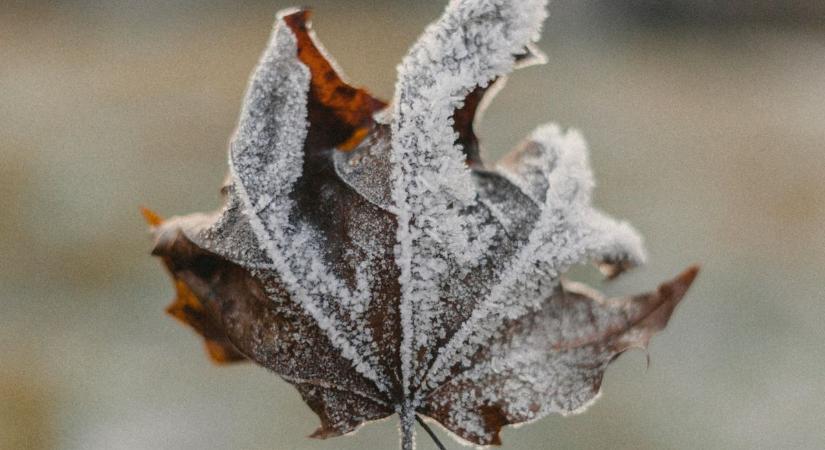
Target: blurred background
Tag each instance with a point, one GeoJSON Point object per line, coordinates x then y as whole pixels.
{"type": "Point", "coordinates": [706, 121]}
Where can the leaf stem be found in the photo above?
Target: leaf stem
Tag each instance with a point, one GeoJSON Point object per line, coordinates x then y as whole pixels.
{"type": "Point", "coordinates": [430, 432]}
{"type": "Point", "coordinates": [407, 426]}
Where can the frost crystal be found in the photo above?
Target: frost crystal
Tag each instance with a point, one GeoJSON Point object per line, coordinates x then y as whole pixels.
{"type": "Point", "coordinates": [471, 45]}
{"type": "Point", "coordinates": [366, 254]}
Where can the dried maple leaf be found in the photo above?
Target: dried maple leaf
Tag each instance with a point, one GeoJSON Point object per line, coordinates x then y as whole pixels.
{"type": "Point", "coordinates": [367, 255]}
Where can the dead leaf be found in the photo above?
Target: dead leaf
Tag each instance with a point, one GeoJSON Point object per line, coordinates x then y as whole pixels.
{"type": "Point", "coordinates": [367, 255]}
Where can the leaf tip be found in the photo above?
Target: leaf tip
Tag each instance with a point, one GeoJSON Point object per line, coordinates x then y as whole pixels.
{"type": "Point", "coordinates": [296, 18]}
{"type": "Point", "coordinates": [189, 310]}
{"type": "Point", "coordinates": [659, 307]}
{"type": "Point", "coordinates": [323, 432]}
{"type": "Point", "coordinates": [674, 290]}
{"type": "Point", "coordinates": [690, 274]}
{"type": "Point", "coordinates": [151, 217]}
{"type": "Point", "coordinates": [532, 56]}
{"type": "Point", "coordinates": [222, 353]}
{"type": "Point", "coordinates": [184, 303]}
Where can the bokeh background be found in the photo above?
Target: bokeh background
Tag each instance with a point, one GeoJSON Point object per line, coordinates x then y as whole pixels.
{"type": "Point", "coordinates": [706, 121]}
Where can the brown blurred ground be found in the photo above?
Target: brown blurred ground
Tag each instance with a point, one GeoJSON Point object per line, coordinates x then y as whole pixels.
{"type": "Point", "coordinates": [707, 131]}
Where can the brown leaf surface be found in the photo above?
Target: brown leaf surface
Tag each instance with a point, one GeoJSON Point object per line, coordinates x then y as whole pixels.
{"type": "Point", "coordinates": [236, 312]}
{"type": "Point", "coordinates": [537, 346]}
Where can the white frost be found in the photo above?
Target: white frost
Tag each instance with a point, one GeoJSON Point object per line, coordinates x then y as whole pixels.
{"type": "Point", "coordinates": [265, 162]}
{"type": "Point", "coordinates": [449, 225]}
{"type": "Point", "coordinates": [472, 43]}
{"type": "Point", "coordinates": [567, 231]}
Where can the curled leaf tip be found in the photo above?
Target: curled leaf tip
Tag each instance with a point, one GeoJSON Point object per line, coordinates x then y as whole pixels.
{"type": "Point", "coordinates": [656, 308]}
{"type": "Point", "coordinates": [321, 433]}
{"type": "Point", "coordinates": [300, 14]}
{"type": "Point", "coordinates": [187, 308]}
{"type": "Point", "coordinates": [675, 289]}
{"type": "Point", "coordinates": [690, 274]}
{"type": "Point", "coordinates": [532, 56]}
{"type": "Point", "coordinates": [222, 354]}
{"type": "Point", "coordinates": [190, 310]}
{"type": "Point", "coordinates": [151, 217]}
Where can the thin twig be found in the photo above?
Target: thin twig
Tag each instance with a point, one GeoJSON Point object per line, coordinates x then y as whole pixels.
{"type": "Point", "coordinates": [430, 432]}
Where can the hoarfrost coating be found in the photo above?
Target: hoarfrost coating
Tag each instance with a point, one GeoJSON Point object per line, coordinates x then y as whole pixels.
{"type": "Point", "coordinates": [367, 254]}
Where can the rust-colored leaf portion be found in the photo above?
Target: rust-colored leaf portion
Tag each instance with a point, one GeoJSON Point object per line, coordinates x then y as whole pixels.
{"type": "Point", "coordinates": [463, 123]}
{"type": "Point", "coordinates": [152, 218]}
{"type": "Point", "coordinates": [188, 309]}
{"type": "Point", "coordinates": [339, 115]}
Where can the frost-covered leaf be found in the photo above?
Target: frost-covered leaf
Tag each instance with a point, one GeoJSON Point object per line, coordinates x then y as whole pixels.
{"type": "Point", "coordinates": [551, 360]}
{"type": "Point", "coordinates": [367, 255]}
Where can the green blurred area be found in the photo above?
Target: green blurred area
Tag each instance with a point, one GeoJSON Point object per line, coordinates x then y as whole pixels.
{"type": "Point", "coordinates": [706, 128]}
